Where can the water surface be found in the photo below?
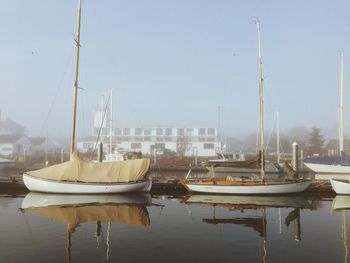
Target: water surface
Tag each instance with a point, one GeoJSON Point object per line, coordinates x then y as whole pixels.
{"type": "Point", "coordinates": [199, 228]}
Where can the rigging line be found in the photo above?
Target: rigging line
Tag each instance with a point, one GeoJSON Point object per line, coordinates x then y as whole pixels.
{"type": "Point", "coordinates": [271, 133]}
{"type": "Point", "coordinates": [57, 90]}
{"type": "Point", "coordinates": [103, 118]}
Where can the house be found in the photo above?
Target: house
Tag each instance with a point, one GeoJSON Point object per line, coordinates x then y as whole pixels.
{"type": "Point", "coordinates": [8, 126]}
{"type": "Point", "coordinates": [14, 145]}
{"type": "Point", "coordinates": [40, 144]}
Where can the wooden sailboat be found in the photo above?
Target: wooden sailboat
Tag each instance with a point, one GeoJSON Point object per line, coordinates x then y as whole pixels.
{"type": "Point", "coordinates": [81, 177]}
{"type": "Point", "coordinates": [232, 185]}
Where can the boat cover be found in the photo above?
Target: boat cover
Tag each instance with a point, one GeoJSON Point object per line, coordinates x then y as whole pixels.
{"type": "Point", "coordinates": [341, 159]}
{"type": "Point", "coordinates": [78, 170]}
{"type": "Point", "coordinates": [75, 215]}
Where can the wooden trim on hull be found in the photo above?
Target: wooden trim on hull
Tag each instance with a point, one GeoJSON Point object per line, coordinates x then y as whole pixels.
{"type": "Point", "coordinates": [65, 187]}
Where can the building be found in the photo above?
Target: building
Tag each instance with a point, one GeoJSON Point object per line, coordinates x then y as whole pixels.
{"type": "Point", "coordinates": [183, 141]}
{"type": "Point", "coordinates": [14, 145]}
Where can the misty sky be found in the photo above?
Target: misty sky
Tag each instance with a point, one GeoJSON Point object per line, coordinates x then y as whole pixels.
{"type": "Point", "coordinates": [172, 63]}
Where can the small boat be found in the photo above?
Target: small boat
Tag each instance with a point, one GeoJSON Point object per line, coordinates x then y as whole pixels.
{"type": "Point", "coordinates": [341, 187]}
{"type": "Point", "coordinates": [81, 177]}
{"type": "Point", "coordinates": [240, 186]}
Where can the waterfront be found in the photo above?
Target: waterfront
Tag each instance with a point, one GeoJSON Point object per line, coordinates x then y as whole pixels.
{"type": "Point", "coordinates": [167, 228]}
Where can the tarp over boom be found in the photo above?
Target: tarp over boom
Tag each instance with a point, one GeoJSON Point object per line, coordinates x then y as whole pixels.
{"type": "Point", "coordinates": [77, 170]}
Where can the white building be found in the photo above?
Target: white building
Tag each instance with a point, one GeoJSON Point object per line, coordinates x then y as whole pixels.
{"type": "Point", "coordinates": [184, 141]}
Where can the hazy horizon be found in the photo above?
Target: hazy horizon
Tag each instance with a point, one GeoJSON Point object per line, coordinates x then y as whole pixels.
{"type": "Point", "coordinates": [174, 63]}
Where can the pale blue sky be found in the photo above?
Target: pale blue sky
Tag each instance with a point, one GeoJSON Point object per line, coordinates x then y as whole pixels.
{"type": "Point", "coordinates": [172, 63]}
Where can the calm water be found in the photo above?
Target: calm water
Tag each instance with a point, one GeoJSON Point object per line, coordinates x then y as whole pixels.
{"type": "Point", "coordinates": [166, 229]}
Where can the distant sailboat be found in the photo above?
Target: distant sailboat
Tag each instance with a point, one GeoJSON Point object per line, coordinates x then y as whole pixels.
{"type": "Point", "coordinates": [81, 177]}
{"type": "Point", "coordinates": [333, 165]}
{"type": "Point", "coordinates": [240, 186]}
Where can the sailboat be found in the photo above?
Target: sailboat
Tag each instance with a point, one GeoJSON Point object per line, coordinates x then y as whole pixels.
{"type": "Point", "coordinates": [81, 177]}
{"type": "Point", "coordinates": [331, 166]}
{"type": "Point", "coordinates": [240, 186]}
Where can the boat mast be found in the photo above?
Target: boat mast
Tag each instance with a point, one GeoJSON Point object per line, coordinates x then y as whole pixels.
{"type": "Point", "coordinates": [77, 41]}
{"type": "Point", "coordinates": [341, 128]}
{"type": "Point", "coordinates": [111, 124]}
{"type": "Point", "coordinates": [262, 154]}
{"type": "Point", "coordinates": [278, 137]}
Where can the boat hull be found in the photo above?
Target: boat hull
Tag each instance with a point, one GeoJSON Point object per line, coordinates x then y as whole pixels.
{"type": "Point", "coordinates": [328, 169]}
{"type": "Point", "coordinates": [341, 187]}
{"type": "Point", "coordinates": [257, 189]}
{"type": "Point", "coordinates": [63, 187]}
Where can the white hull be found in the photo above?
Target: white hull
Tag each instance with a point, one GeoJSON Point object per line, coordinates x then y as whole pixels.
{"type": "Point", "coordinates": [341, 202]}
{"type": "Point", "coordinates": [63, 187]}
{"type": "Point", "coordinates": [44, 199]}
{"type": "Point", "coordinates": [341, 187]}
{"type": "Point", "coordinates": [283, 188]}
{"type": "Point", "coordinates": [328, 168]}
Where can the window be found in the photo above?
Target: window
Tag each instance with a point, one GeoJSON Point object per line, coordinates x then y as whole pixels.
{"type": "Point", "coordinates": [211, 139]}
{"type": "Point", "coordinates": [167, 139]}
{"type": "Point", "coordinates": [159, 131]}
{"type": "Point", "coordinates": [147, 131]}
{"type": "Point", "coordinates": [138, 139]}
{"type": "Point", "coordinates": [208, 146]}
{"type": "Point", "coordinates": [126, 131]}
{"type": "Point", "coordinates": [118, 131]}
{"type": "Point", "coordinates": [88, 145]}
{"type": "Point", "coordinates": [201, 131]}
{"type": "Point", "coordinates": [168, 131]}
{"type": "Point", "coordinates": [126, 139]}
{"type": "Point", "coordinates": [135, 145]}
{"type": "Point", "coordinates": [159, 139]}
{"type": "Point", "coordinates": [147, 139]}
{"type": "Point", "coordinates": [138, 131]}
{"type": "Point", "coordinates": [159, 145]}
{"type": "Point", "coordinates": [180, 132]}
{"type": "Point", "coordinates": [189, 131]}
{"type": "Point", "coordinates": [211, 131]}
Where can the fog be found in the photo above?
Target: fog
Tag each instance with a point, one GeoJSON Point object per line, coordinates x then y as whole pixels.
{"type": "Point", "coordinates": [173, 64]}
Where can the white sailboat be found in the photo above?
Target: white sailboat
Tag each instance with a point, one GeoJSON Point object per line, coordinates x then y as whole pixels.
{"type": "Point", "coordinates": [240, 186]}
{"type": "Point", "coordinates": [333, 166]}
{"type": "Point", "coordinates": [81, 177]}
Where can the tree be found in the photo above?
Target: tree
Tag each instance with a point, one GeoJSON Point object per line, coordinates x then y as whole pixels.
{"type": "Point", "coordinates": [316, 141]}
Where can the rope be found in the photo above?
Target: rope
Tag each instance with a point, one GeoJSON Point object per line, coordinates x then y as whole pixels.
{"type": "Point", "coordinates": [57, 91]}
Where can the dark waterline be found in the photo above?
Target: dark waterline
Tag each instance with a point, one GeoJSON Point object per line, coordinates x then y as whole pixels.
{"type": "Point", "coordinates": [168, 229]}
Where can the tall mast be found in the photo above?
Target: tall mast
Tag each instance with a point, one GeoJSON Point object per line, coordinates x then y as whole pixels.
{"type": "Point", "coordinates": [262, 154]}
{"type": "Point", "coordinates": [77, 41]}
{"type": "Point", "coordinates": [111, 124]}
{"type": "Point", "coordinates": [341, 128]}
{"type": "Point", "coordinates": [278, 137]}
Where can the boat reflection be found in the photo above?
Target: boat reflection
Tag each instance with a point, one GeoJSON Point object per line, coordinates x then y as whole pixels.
{"type": "Point", "coordinates": [246, 202]}
{"type": "Point", "coordinates": [74, 210]}
{"type": "Point", "coordinates": [257, 223]}
{"type": "Point", "coordinates": [341, 203]}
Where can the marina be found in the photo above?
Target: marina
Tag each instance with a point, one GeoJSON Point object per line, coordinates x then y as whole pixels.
{"type": "Point", "coordinates": [174, 131]}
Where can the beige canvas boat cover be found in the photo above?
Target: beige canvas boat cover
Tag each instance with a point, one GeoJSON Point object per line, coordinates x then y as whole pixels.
{"type": "Point", "coordinates": [77, 170]}
{"type": "Point", "coordinates": [75, 215]}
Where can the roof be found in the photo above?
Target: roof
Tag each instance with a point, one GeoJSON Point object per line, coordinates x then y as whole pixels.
{"type": "Point", "coordinates": [9, 126]}
{"type": "Point", "coordinates": [37, 140]}
{"type": "Point", "coordinates": [10, 138]}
